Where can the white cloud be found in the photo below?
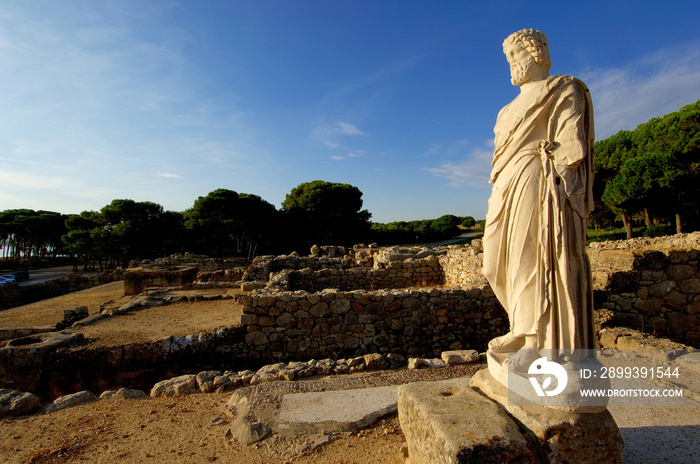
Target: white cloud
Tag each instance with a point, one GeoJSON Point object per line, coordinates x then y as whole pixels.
{"type": "Point", "coordinates": [349, 129]}
{"type": "Point", "coordinates": [332, 134]}
{"type": "Point", "coordinates": [474, 171]}
{"type": "Point", "coordinates": [355, 154]}
{"type": "Point", "coordinates": [169, 175]}
{"type": "Point", "coordinates": [655, 85]}
{"type": "Point", "coordinates": [433, 150]}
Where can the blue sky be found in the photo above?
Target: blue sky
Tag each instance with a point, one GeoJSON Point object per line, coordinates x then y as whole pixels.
{"type": "Point", "coordinates": [165, 101]}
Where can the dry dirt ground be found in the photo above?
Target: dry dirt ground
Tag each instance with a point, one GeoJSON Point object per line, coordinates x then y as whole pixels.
{"type": "Point", "coordinates": [160, 430]}
{"type": "Point", "coordinates": [144, 325]}
{"type": "Point", "coordinates": [50, 311]}
{"type": "Point", "coordinates": [171, 430]}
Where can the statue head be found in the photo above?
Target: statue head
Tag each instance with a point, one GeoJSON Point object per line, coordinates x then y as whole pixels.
{"type": "Point", "coordinates": [527, 52]}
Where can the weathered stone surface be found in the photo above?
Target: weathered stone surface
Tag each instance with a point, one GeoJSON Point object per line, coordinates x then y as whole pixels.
{"type": "Point", "coordinates": [242, 430]}
{"type": "Point", "coordinates": [453, 358]}
{"type": "Point", "coordinates": [182, 385]}
{"type": "Point", "coordinates": [333, 411]}
{"type": "Point", "coordinates": [414, 363]}
{"type": "Point", "coordinates": [67, 401]}
{"type": "Point", "coordinates": [136, 303]}
{"type": "Point", "coordinates": [375, 361]}
{"type": "Point", "coordinates": [17, 403]}
{"type": "Point", "coordinates": [136, 280]}
{"type": "Point", "coordinates": [448, 422]}
{"type": "Point", "coordinates": [45, 341]}
{"type": "Point", "coordinates": [559, 436]}
{"type": "Point", "coordinates": [123, 394]}
{"type": "Point", "coordinates": [205, 380]}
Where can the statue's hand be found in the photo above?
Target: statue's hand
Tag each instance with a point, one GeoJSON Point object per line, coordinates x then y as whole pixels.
{"type": "Point", "coordinates": [545, 148]}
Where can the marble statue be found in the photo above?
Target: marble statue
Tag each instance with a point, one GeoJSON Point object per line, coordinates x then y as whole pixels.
{"type": "Point", "coordinates": [535, 235]}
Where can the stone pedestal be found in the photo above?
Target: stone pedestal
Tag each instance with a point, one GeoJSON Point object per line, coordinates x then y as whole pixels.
{"type": "Point", "coordinates": [560, 436]}
{"type": "Point", "coordinates": [451, 422]}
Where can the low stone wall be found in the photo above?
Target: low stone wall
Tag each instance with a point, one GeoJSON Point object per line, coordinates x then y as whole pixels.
{"type": "Point", "coordinates": [653, 287]}
{"type": "Point", "coordinates": [202, 262]}
{"type": "Point", "coordinates": [424, 272]}
{"type": "Point", "coordinates": [17, 295]}
{"type": "Point", "coordinates": [462, 265]}
{"type": "Point", "coordinates": [50, 372]}
{"type": "Point", "coordinates": [301, 325]}
{"type": "Point", "coordinates": [263, 266]}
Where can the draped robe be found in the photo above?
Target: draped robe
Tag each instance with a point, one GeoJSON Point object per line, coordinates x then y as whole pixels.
{"type": "Point", "coordinates": [535, 235]}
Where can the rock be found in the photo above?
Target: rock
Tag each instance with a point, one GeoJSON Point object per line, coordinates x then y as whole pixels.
{"type": "Point", "coordinates": [326, 366]}
{"type": "Point", "coordinates": [341, 369]}
{"type": "Point", "coordinates": [249, 286]}
{"type": "Point", "coordinates": [123, 394]}
{"type": "Point", "coordinates": [242, 430]}
{"type": "Point", "coordinates": [414, 363]}
{"type": "Point", "coordinates": [205, 380]}
{"type": "Point", "coordinates": [375, 362]}
{"type": "Point", "coordinates": [448, 422]}
{"type": "Point", "coordinates": [453, 358]}
{"type": "Point", "coordinates": [272, 369]}
{"type": "Point", "coordinates": [223, 383]}
{"type": "Point", "coordinates": [129, 394]}
{"type": "Point", "coordinates": [396, 361]}
{"type": "Point", "coordinates": [67, 401]}
{"type": "Point", "coordinates": [17, 403]}
{"type": "Point", "coordinates": [355, 362]}
{"type": "Point", "coordinates": [70, 316]}
{"type": "Point", "coordinates": [287, 374]}
{"type": "Point", "coordinates": [45, 341]}
{"type": "Point", "coordinates": [245, 376]}
{"type": "Point", "coordinates": [136, 303]}
{"type": "Point", "coordinates": [182, 385]}
{"type": "Point", "coordinates": [433, 363]}
{"type": "Point", "coordinates": [107, 394]}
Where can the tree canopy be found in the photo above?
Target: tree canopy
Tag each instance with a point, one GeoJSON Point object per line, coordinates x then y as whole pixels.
{"type": "Point", "coordinates": [427, 230]}
{"type": "Point", "coordinates": [31, 234]}
{"type": "Point", "coordinates": [654, 169]}
{"type": "Point", "coordinates": [325, 213]}
{"type": "Point", "coordinates": [227, 223]}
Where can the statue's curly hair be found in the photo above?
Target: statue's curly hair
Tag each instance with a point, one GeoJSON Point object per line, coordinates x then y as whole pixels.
{"type": "Point", "coordinates": [534, 42]}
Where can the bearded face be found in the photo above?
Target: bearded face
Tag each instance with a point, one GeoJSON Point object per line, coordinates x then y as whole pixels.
{"type": "Point", "coordinates": [520, 72]}
{"type": "Point", "coordinates": [522, 64]}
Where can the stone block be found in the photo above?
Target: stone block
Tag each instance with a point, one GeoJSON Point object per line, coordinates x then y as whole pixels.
{"type": "Point", "coordinates": [375, 361]}
{"type": "Point", "coordinates": [16, 403]}
{"type": "Point", "coordinates": [448, 422]}
{"type": "Point", "coordinates": [558, 436]}
{"type": "Point", "coordinates": [453, 358]}
{"type": "Point", "coordinates": [67, 401]}
{"type": "Point", "coordinates": [182, 385]}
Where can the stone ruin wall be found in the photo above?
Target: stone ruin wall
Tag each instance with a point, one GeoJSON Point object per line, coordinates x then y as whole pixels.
{"type": "Point", "coordinates": [412, 322]}
{"type": "Point", "coordinates": [651, 285]}
{"type": "Point", "coordinates": [201, 262]}
{"type": "Point", "coordinates": [461, 265]}
{"type": "Point", "coordinates": [408, 273]}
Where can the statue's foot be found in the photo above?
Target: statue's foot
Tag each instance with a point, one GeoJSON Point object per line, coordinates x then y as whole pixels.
{"type": "Point", "coordinates": [506, 343]}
